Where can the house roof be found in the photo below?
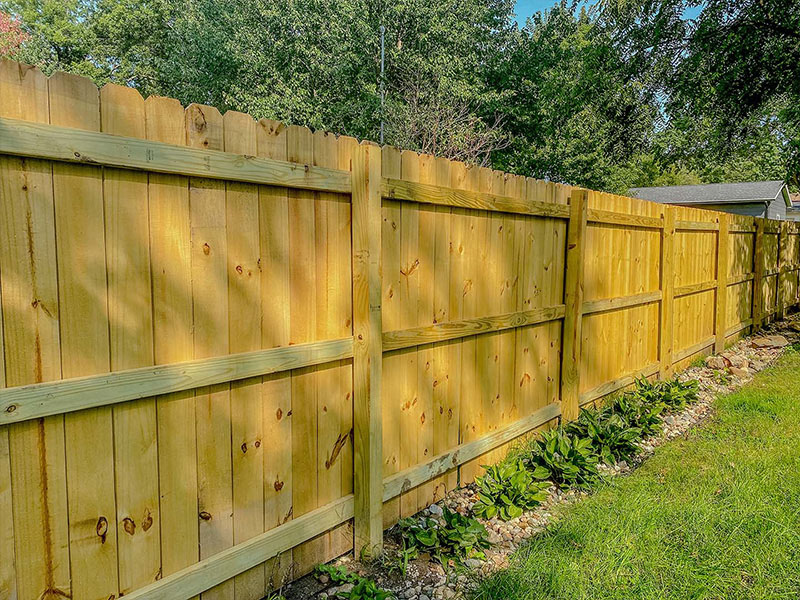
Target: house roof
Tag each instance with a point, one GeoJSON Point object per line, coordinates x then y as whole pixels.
{"type": "Point", "coordinates": [715, 193]}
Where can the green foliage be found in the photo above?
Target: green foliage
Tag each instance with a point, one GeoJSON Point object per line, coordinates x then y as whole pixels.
{"type": "Point", "coordinates": [675, 395]}
{"type": "Point", "coordinates": [454, 537]}
{"type": "Point", "coordinates": [509, 488]}
{"type": "Point", "coordinates": [610, 436]}
{"type": "Point", "coordinates": [363, 588]}
{"type": "Point", "coordinates": [638, 412]}
{"type": "Point", "coordinates": [569, 460]}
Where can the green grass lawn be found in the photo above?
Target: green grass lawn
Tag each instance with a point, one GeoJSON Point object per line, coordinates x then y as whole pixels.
{"type": "Point", "coordinates": [713, 516]}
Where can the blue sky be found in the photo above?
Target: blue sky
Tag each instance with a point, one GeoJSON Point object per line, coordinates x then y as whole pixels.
{"type": "Point", "coordinates": [525, 8]}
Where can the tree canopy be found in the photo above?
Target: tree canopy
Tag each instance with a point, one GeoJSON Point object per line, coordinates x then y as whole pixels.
{"type": "Point", "coordinates": [626, 93]}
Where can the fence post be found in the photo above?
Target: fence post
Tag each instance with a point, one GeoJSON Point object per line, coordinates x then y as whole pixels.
{"type": "Point", "coordinates": [667, 292]}
{"type": "Point", "coordinates": [758, 274]}
{"type": "Point", "coordinates": [367, 351]}
{"type": "Point", "coordinates": [573, 300]}
{"type": "Point", "coordinates": [783, 260]}
{"type": "Point", "coordinates": [723, 239]}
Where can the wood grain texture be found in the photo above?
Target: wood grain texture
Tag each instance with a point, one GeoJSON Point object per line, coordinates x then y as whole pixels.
{"type": "Point", "coordinates": [668, 294]}
{"type": "Point", "coordinates": [31, 339]}
{"type": "Point", "coordinates": [367, 353]}
{"type": "Point", "coordinates": [225, 565]}
{"type": "Point", "coordinates": [606, 304]}
{"type": "Point", "coordinates": [597, 215]}
{"type": "Point", "coordinates": [573, 299]}
{"type": "Point", "coordinates": [427, 193]}
{"type": "Point", "coordinates": [447, 461]}
{"type": "Point", "coordinates": [173, 341]}
{"type": "Point", "coordinates": [720, 318]}
{"type": "Point", "coordinates": [127, 222]}
{"type": "Point", "coordinates": [84, 325]}
{"type": "Point", "coordinates": [68, 144]}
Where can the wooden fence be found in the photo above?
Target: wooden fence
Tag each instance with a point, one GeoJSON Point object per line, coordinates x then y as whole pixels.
{"type": "Point", "coordinates": [230, 348]}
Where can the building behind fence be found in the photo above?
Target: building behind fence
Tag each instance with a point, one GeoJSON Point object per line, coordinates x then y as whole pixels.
{"type": "Point", "coordinates": [230, 348]}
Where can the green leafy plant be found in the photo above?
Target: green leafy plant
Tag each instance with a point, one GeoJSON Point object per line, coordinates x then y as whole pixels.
{"type": "Point", "coordinates": [676, 395]}
{"type": "Point", "coordinates": [672, 393]}
{"type": "Point", "coordinates": [363, 588]}
{"type": "Point", "coordinates": [397, 559]}
{"type": "Point", "coordinates": [639, 413]}
{"type": "Point", "coordinates": [508, 489]}
{"type": "Point", "coordinates": [569, 460]}
{"type": "Point", "coordinates": [454, 537]}
{"type": "Point", "coordinates": [611, 437]}
{"type": "Point", "coordinates": [337, 575]}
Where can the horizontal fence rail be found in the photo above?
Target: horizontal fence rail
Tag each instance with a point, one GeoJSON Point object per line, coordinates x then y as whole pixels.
{"type": "Point", "coordinates": [68, 395]}
{"type": "Point", "coordinates": [232, 350]}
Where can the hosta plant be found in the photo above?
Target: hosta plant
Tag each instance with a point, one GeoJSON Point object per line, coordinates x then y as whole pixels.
{"type": "Point", "coordinates": [508, 489]}
{"type": "Point", "coordinates": [609, 434]}
{"type": "Point", "coordinates": [637, 413]}
{"type": "Point", "coordinates": [453, 537]}
{"type": "Point", "coordinates": [569, 460]}
{"type": "Point", "coordinates": [677, 394]}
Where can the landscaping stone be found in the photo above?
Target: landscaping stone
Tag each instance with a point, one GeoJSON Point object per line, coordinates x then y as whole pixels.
{"type": "Point", "coordinates": [716, 362]}
{"type": "Point", "coordinates": [770, 341]}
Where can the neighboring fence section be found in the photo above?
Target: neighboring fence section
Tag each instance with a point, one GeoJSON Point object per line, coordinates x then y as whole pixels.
{"type": "Point", "coordinates": [231, 348]}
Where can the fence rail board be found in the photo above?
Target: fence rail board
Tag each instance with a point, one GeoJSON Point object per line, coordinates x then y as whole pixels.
{"type": "Point", "coordinates": [69, 395]}
{"type": "Point", "coordinates": [35, 140]}
{"type": "Point", "coordinates": [451, 330]}
{"type": "Point", "coordinates": [397, 189]}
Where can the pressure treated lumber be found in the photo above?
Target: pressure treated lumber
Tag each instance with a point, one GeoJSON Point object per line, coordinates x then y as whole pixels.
{"type": "Point", "coordinates": [618, 383]}
{"type": "Point", "coordinates": [451, 330]}
{"type": "Point", "coordinates": [68, 395]}
{"type": "Point", "coordinates": [696, 226]}
{"type": "Point", "coordinates": [758, 276]}
{"type": "Point", "coordinates": [606, 304]}
{"type": "Point", "coordinates": [225, 565]}
{"type": "Point", "coordinates": [35, 140]}
{"type": "Point", "coordinates": [424, 193]}
{"type": "Point", "coordinates": [694, 288]}
{"type": "Point", "coordinates": [367, 352]}
{"type": "Point", "coordinates": [723, 242]}
{"type": "Point", "coordinates": [573, 300]}
{"type": "Point", "coordinates": [410, 478]}
{"type": "Point", "coordinates": [597, 215]}
{"type": "Point", "coordinates": [668, 293]}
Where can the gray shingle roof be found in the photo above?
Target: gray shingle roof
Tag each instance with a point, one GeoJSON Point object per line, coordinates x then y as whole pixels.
{"type": "Point", "coordinates": [712, 193]}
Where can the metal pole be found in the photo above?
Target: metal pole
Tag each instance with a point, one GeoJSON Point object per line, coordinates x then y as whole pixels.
{"type": "Point", "coordinates": [383, 87]}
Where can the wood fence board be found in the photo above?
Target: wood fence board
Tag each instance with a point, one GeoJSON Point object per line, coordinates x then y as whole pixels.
{"type": "Point", "coordinates": [127, 222]}
{"type": "Point", "coordinates": [276, 392]}
{"type": "Point", "coordinates": [32, 345]}
{"type": "Point", "coordinates": [392, 313]}
{"type": "Point", "coordinates": [244, 330]}
{"type": "Point", "coordinates": [81, 257]}
{"type": "Point", "coordinates": [67, 144]}
{"type": "Point", "coordinates": [209, 257]}
{"type": "Point", "coordinates": [303, 319]}
{"type": "Point", "coordinates": [173, 335]}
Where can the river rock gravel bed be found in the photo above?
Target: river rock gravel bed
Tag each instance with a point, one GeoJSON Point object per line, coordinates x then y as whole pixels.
{"type": "Point", "coordinates": [427, 580]}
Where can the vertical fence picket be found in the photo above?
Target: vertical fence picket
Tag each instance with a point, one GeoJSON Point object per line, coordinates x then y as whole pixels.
{"type": "Point", "coordinates": [723, 240]}
{"type": "Point", "coordinates": [666, 340]}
